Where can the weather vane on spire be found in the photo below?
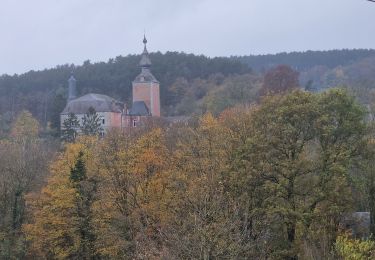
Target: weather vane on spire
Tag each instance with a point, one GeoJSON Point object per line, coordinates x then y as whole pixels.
{"type": "Point", "coordinates": [144, 37]}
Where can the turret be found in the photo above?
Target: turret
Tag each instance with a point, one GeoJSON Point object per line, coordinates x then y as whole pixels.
{"type": "Point", "coordinates": [146, 88]}
{"type": "Point", "coordinates": [72, 91]}
{"type": "Point", "coordinates": [145, 62]}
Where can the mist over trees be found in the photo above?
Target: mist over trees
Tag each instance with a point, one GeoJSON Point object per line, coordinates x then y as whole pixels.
{"type": "Point", "coordinates": [262, 169]}
{"type": "Point", "coordinates": [302, 61]}
{"type": "Point", "coordinates": [190, 84]}
{"type": "Point", "coordinates": [268, 181]}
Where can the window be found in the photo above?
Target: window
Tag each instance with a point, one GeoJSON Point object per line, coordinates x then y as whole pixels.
{"type": "Point", "coordinates": [103, 121]}
{"type": "Point", "coordinates": [134, 122]}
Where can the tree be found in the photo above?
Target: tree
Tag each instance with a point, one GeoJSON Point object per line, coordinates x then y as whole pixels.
{"type": "Point", "coordinates": [91, 123]}
{"type": "Point", "coordinates": [85, 189]}
{"type": "Point", "coordinates": [280, 79]}
{"type": "Point", "coordinates": [25, 127]}
{"type": "Point", "coordinates": [70, 128]}
{"type": "Point", "coordinates": [203, 222]}
{"type": "Point", "coordinates": [131, 205]}
{"type": "Point", "coordinates": [296, 162]}
{"type": "Point", "coordinates": [58, 103]}
{"type": "Point", "coordinates": [234, 90]}
{"type": "Point", "coordinates": [23, 166]}
{"type": "Point", "coordinates": [354, 249]}
{"type": "Point", "coordinates": [60, 223]}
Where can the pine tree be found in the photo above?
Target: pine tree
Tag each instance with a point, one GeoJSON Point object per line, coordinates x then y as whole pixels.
{"type": "Point", "coordinates": [85, 195]}
{"type": "Point", "coordinates": [78, 172]}
{"type": "Point", "coordinates": [70, 126]}
{"type": "Point", "coordinates": [91, 123]}
{"type": "Point", "coordinates": [62, 219]}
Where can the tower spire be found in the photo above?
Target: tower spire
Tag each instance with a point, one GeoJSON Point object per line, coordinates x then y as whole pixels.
{"type": "Point", "coordinates": [145, 60]}
{"type": "Point", "coordinates": [144, 39]}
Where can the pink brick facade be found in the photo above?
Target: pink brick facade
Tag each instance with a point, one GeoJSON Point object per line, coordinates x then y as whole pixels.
{"type": "Point", "coordinates": [148, 92]}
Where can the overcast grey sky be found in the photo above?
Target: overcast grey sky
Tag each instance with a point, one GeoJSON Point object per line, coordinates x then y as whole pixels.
{"type": "Point", "coordinates": [38, 34]}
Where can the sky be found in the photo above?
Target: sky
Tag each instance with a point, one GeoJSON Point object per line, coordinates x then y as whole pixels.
{"type": "Point", "coordinates": [41, 34]}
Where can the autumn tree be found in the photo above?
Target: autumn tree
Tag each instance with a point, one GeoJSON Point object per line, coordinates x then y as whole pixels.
{"type": "Point", "coordinates": [60, 217]}
{"type": "Point", "coordinates": [204, 224]}
{"type": "Point", "coordinates": [296, 162]}
{"type": "Point", "coordinates": [25, 127]}
{"type": "Point", "coordinates": [23, 165]}
{"type": "Point", "coordinates": [365, 177]}
{"type": "Point", "coordinates": [351, 249]}
{"type": "Point", "coordinates": [279, 80]}
{"type": "Point", "coordinates": [131, 206]}
{"type": "Point", "coordinates": [266, 181]}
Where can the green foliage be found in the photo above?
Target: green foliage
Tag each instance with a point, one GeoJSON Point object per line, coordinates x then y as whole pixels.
{"type": "Point", "coordinates": [60, 226]}
{"type": "Point", "coordinates": [306, 60]}
{"type": "Point", "coordinates": [91, 123]}
{"type": "Point", "coordinates": [234, 90]}
{"type": "Point", "coordinates": [296, 162]}
{"type": "Point", "coordinates": [267, 181]}
{"type": "Point", "coordinates": [70, 128]}
{"type": "Point", "coordinates": [58, 104]}
{"type": "Point", "coordinates": [113, 78]}
{"type": "Point", "coordinates": [5, 124]}
{"type": "Point", "coordinates": [78, 172]}
{"type": "Point", "coordinates": [43, 93]}
{"type": "Point", "coordinates": [23, 166]}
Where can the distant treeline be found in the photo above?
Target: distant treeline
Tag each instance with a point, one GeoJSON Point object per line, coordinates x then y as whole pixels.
{"type": "Point", "coordinates": [190, 84]}
{"type": "Point", "coordinates": [301, 61]}
{"type": "Point", "coordinates": [44, 92]}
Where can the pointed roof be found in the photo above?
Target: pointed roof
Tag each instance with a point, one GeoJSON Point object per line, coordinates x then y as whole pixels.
{"type": "Point", "coordinates": [145, 64]}
{"type": "Point", "coordinates": [139, 108]}
{"type": "Point", "coordinates": [145, 59]}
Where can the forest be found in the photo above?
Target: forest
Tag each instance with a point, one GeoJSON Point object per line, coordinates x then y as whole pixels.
{"type": "Point", "coordinates": [271, 180]}
{"type": "Point", "coordinates": [189, 83]}
{"type": "Point", "coordinates": [269, 165]}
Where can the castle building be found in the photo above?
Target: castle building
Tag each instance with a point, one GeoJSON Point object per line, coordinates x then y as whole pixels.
{"type": "Point", "coordinates": [113, 113]}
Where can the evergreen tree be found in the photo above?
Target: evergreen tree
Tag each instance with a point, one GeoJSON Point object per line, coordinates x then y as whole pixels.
{"type": "Point", "coordinates": [78, 172]}
{"type": "Point", "coordinates": [91, 123]}
{"type": "Point", "coordinates": [70, 126]}
{"type": "Point", "coordinates": [62, 226]}
{"type": "Point", "coordinates": [85, 188]}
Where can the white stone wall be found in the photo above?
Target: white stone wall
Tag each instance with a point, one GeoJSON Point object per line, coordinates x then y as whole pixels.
{"type": "Point", "coordinates": [111, 120]}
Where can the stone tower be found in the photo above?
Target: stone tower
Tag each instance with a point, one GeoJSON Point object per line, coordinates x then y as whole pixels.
{"type": "Point", "coordinates": [145, 86]}
{"type": "Point", "coordinates": [72, 90]}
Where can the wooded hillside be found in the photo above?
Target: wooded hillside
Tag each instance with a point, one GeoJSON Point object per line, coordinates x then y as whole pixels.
{"type": "Point", "coordinates": [190, 84]}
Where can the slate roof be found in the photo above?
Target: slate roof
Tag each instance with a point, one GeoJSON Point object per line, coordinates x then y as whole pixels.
{"type": "Point", "coordinates": [139, 108]}
{"type": "Point", "coordinates": [145, 76]}
{"type": "Point", "coordinates": [101, 103]}
{"type": "Point", "coordinates": [145, 64]}
{"type": "Point", "coordinates": [145, 60]}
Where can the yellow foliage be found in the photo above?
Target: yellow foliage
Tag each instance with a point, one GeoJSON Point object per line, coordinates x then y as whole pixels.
{"type": "Point", "coordinates": [354, 249]}
{"type": "Point", "coordinates": [25, 126]}
{"type": "Point", "coordinates": [130, 196]}
{"type": "Point", "coordinates": [53, 230]}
